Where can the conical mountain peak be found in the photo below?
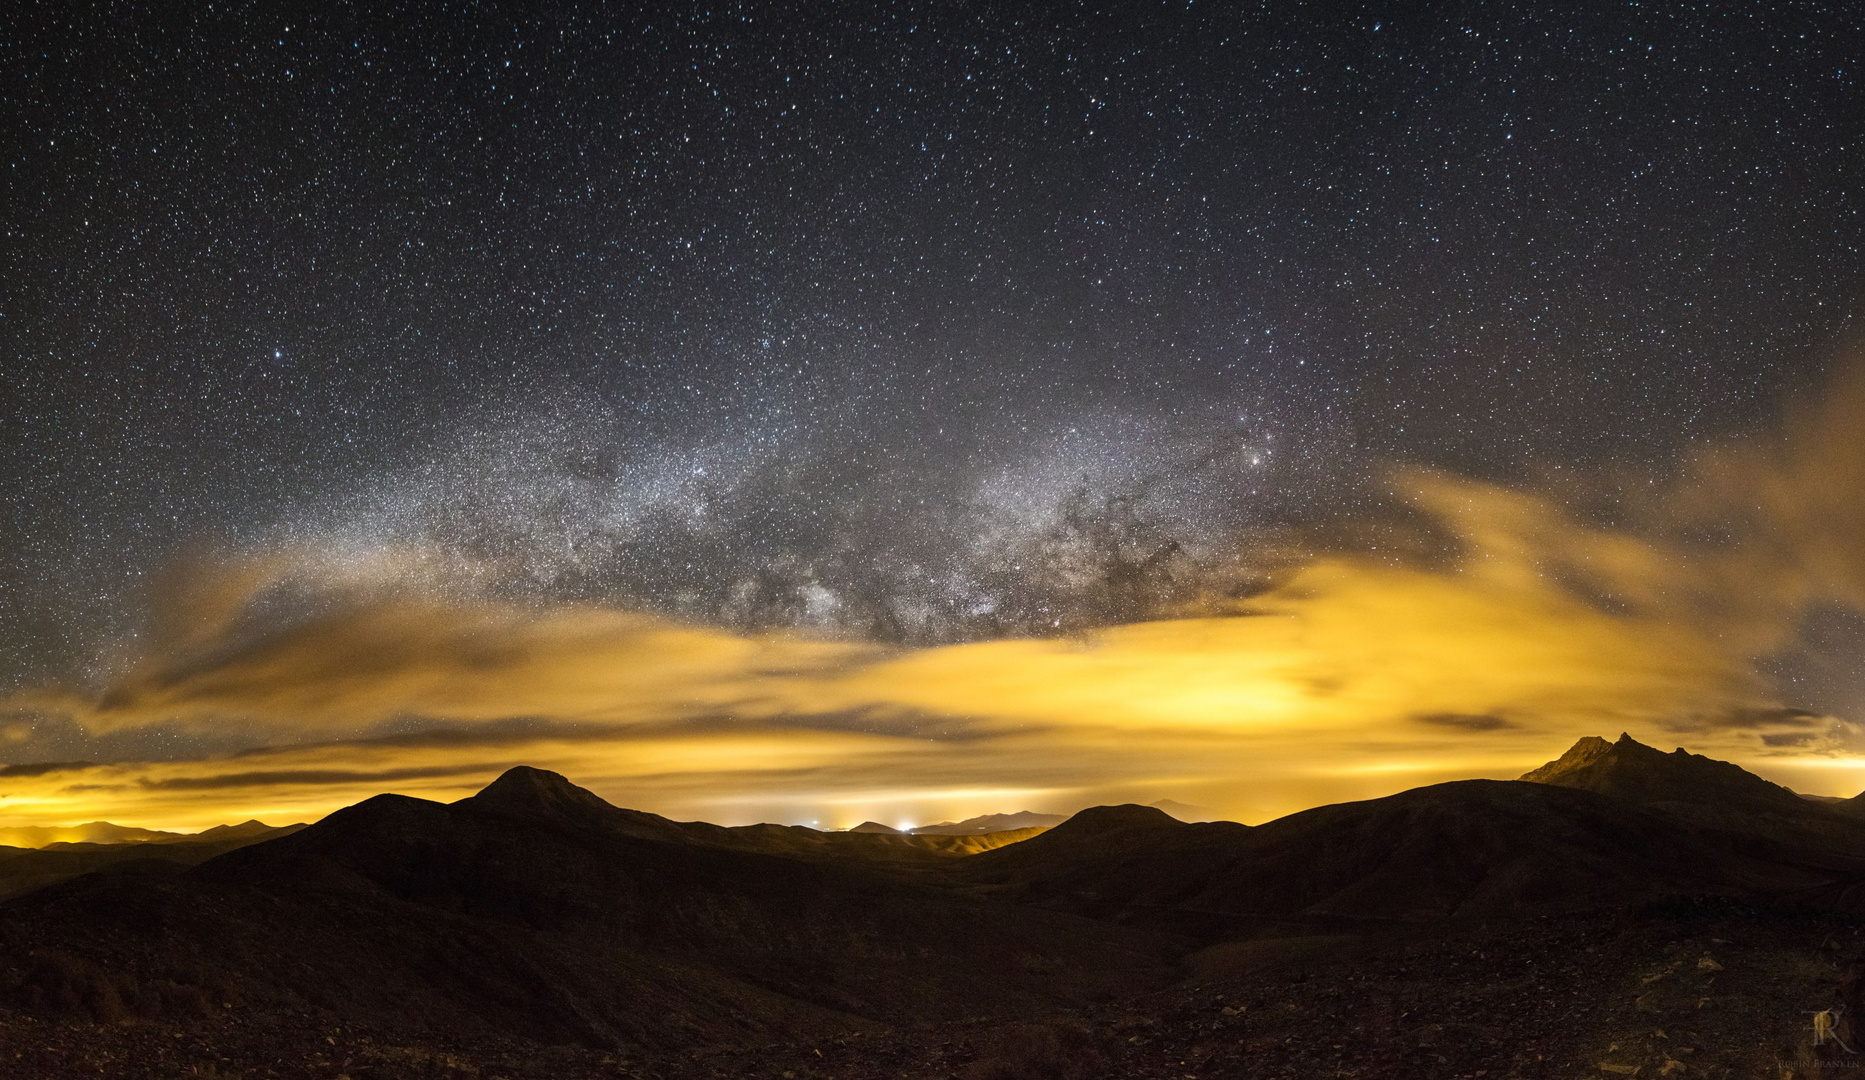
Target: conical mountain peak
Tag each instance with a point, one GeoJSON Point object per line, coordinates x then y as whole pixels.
{"type": "Point", "coordinates": [526, 790]}
{"type": "Point", "coordinates": [544, 796]}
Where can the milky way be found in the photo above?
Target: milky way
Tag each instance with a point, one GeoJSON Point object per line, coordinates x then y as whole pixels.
{"type": "Point", "coordinates": [897, 324]}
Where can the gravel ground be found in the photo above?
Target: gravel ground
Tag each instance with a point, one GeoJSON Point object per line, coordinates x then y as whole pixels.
{"type": "Point", "coordinates": [1683, 990]}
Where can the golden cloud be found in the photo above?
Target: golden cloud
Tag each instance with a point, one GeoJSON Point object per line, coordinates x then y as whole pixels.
{"type": "Point", "coordinates": [354, 669]}
{"type": "Point", "coordinates": [1352, 677]}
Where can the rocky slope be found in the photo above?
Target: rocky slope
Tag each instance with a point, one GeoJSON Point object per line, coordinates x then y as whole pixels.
{"type": "Point", "coordinates": [1624, 912]}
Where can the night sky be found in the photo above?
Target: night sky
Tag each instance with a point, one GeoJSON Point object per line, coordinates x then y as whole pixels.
{"type": "Point", "coordinates": [891, 325]}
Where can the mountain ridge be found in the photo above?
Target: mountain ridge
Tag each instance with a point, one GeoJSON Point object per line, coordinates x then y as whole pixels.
{"type": "Point", "coordinates": [1631, 770]}
{"type": "Point", "coordinates": [105, 833]}
{"type": "Point", "coordinates": [584, 909]}
{"type": "Point", "coordinates": [989, 823]}
{"type": "Point", "coordinates": [536, 911]}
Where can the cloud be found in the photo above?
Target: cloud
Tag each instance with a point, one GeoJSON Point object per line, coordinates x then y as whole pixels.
{"type": "Point", "coordinates": [1515, 622]}
{"type": "Point", "coordinates": [1789, 738]}
{"type": "Point", "coordinates": [1313, 693]}
{"type": "Point", "coordinates": [1466, 721]}
{"type": "Point", "coordinates": [41, 768]}
{"type": "Point", "coordinates": [356, 668]}
{"type": "Point", "coordinates": [313, 778]}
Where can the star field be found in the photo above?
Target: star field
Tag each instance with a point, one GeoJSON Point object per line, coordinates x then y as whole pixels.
{"type": "Point", "coordinates": [911, 323]}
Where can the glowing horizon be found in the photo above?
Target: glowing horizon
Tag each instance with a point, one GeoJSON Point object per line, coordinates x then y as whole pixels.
{"type": "Point", "coordinates": [1354, 675]}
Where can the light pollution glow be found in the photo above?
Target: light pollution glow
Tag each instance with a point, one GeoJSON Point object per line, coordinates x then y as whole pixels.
{"type": "Point", "coordinates": [1353, 677]}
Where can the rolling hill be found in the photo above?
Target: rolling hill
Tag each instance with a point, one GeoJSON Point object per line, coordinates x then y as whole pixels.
{"type": "Point", "coordinates": [23, 869]}
{"type": "Point", "coordinates": [536, 910]}
{"type": "Point", "coordinates": [1608, 824]}
{"type": "Point", "coordinates": [1122, 941]}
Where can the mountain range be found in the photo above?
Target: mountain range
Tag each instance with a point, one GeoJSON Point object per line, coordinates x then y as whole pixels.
{"type": "Point", "coordinates": [104, 832]}
{"type": "Point", "coordinates": [45, 857]}
{"type": "Point", "coordinates": [1029, 819]}
{"type": "Point", "coordinates": [534, 926]}
{"type": "Point", "coordinates": [990, 823]}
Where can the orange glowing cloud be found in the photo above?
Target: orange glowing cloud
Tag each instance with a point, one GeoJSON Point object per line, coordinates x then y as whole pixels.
{"type": "Point", "coordinates": [1352, 677]}
{"type": "Point", "coordinates": [355, 669]}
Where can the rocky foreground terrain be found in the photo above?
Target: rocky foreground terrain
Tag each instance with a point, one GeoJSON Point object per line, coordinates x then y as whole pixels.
{"type": "Point", "coordinates": [1623, 913]}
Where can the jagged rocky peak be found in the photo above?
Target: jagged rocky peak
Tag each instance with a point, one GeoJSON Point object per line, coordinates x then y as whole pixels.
{"type": "Point", "coordinates": [1629, 769]}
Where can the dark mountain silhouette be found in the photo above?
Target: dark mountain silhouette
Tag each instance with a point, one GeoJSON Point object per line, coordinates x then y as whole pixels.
{"type": "Point", "coordinates": [1186, 811]}
{"type": "Point", "coordinates": [1475, 848]}
{"type": "Point", "coordinates": [251, 829]}
{"type": "Point", "coordinates": [1123, 820]}
{"type": "Point", "coordinates": [91, 832]}
{"type": "Point", "coordinates": [865, 845]}
{"type": "Point", "coordinates": [536, 910]}
{"type": "Point", "coordinates": [1472, 847]}
{"type": "Point", "coordinates": [1746, 814]}
{"type": "Point", "coordinates": [24, 869]}
{"type": "Point", "coordinates": [1029, 819]}
{"type": "Point", "coordinates": [991, 823]}
{"type": "Point", "coordinates": [538, 793]}
{"type": "Point", "coordinates": [535, 913]}
{"type": "Point", "coordinates": [903, 849]}
{"type": "Point", "coordinates": [104, 832]}
{"type": "Point", "coordinates": [1095, 836]}
{"type": "Point", "coordinates": [1630, 770]}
